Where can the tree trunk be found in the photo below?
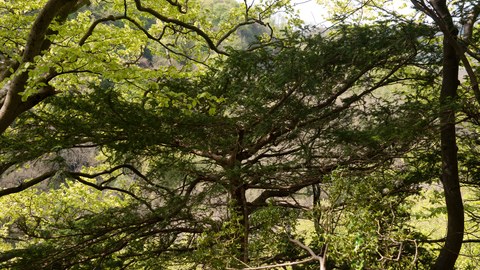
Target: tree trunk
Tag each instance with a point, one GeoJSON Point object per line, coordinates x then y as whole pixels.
{"type": "Point", "coordinates": [242, 211]}
{"type": "Point", "coordinates": [449, 253]}
{"type": "Point", "coordinates": [11, 104]}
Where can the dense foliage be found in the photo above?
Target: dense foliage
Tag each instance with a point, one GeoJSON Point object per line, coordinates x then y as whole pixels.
{"type": "Point", "coordinates": [195, 138]}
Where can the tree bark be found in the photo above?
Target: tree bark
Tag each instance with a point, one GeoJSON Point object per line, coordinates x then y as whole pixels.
{"type": "Point", "coordinates": [450, 179]}
{"type": "Point", "coordinates": [11, 104]}
{"type": "Point", "coordinates": [242, 210]}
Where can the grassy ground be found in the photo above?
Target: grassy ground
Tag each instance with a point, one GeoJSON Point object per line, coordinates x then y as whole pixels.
{"type": "Point", "coordinates": [429, 217]}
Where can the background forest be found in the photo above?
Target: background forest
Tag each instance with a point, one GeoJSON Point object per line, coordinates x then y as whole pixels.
{"type": "Point", "coordinates": [215, 134]}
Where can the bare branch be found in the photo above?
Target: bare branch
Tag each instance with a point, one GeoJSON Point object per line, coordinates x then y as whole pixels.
{"type": "Point", "coordinates": [94, 24]}
{"type": "Point", "coordinates": [197, 30]}
{"type": "Point", "coordinates": [179, 6]}
{"type": "Point", "coordinates": [101, 188]}
{"type": "Point", "coordinates": [314, 257]}
{"type": "Point", "coordinates": [231, 31]}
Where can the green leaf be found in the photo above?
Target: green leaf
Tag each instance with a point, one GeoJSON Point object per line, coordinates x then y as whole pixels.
{"type": "Point", "coordinates": [211, 111]}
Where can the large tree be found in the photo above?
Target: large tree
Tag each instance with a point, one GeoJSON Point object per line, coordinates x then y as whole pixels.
{"type": "Point", "coordinates": [454, 53]}
{"type": "Point", "coordinates": [53, 46]}
{"type": "Point", "coordinates": [455, 20]}
{"type": "Point", "coordinates": [203, 149]}
{"type": "Point", "coordinates": [211, 162]}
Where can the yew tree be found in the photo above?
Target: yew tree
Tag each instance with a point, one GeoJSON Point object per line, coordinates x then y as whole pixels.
{"type": "Point", "coordinates": [202, 168]}
{"type": "Point", "coordinates": [206, 151]}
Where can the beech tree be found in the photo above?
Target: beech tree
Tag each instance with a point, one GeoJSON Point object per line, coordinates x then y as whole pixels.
{"type": "Point", "coordinates": [46, 51]}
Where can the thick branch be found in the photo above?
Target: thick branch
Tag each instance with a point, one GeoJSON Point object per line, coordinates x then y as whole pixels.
{"type": "Point", "coordinates": [40, 27]}
{"type": "Point", "coordinates": [12, 105]}
{"type": "Point", "coordinates": [28, 184]}
{"type": "Point", "coordinates": [11, 254]}
{"type": "Point", "coordinates": [262, 198]}
{"type": "Point", "coordinates": [440, 21]}
{"type": "Point", "coordinates": [450, 179]}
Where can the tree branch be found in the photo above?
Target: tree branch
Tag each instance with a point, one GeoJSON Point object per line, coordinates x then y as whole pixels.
{"type": "Point", "coordinates": [23, 186]}
{"type": "Point", "coordinates": [273, 266]}
{"type": "Point", "coordinates": [314, 257]}
{"type": "Point", "coordinates": [442, 240]}
{"type": "Point", "coordinates": [12, 104]}
{"type": "Point", "coordinates": [197, 30]}
{"type": "Point", "coordinates": [452, 40]}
